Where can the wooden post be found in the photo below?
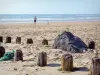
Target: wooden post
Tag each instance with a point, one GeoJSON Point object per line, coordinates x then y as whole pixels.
{"type": "Point", "coordinates": [29, 41]}
{"type": "Point", "coordinates": [18, 40]}
{"type": "Point", "coordinates": [2, 51]}
{"type": "Point", "coordinates": [67, 62]}
{"type": "Point", "coordinates": [95, 67]}
{"type": "Point", "coordinates": [8, 39]}
{"type": "Point", "coordinates": [45, 42]}
{"type": "Point", "coordinates": [18, 55]}
{"type": "Point", "coordinates": [42, 59]}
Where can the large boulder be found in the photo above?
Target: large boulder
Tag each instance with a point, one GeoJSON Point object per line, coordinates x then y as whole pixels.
{"type": "Point", "coordinates": [68, 42]}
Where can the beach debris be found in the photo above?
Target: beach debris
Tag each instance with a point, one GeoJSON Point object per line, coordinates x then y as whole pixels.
{"type": "Point", "coordinates": [95, 66]}
{"type": "Point", "coordinates": [68, 42]}
{"type": "Point", "coordinates": [37, 69]}
{"type": "Point", "coordinates": [8, 39]}
{"type": "Point", "coordinates": [42, 59]}
{"type": "Point", "coordinates": [91, 45]}
{"type": "Point", "coordinates": [1, 39]}
{"type": "Point", "coordinates": [15, 69]}
{"type": "Point", "coordinates": [18, 40]}
{"type": "Point", "coordinates": [45, 42]}
{"type": "Point", "coordinates": [2, 51]}
{"type": "Point", "coordinates": [7, 56]}
{"type": "Point", "coordinates": [29, 41]}
{"type": "Point", "coordinates": [18, 55]}
{"type": "Point", "coordinates": [67, 62]}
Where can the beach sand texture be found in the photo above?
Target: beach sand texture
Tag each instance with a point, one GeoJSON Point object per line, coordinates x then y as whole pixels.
{"type": "Point", "coordinates": [87, 31]}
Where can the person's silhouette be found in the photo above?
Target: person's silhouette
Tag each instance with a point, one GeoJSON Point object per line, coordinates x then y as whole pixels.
{"type": "Point", "coordinates": [35, 19]}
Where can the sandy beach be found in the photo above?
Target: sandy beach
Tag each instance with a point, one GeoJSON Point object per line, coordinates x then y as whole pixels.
{"type": "Point", "coordinates": [87, 31]}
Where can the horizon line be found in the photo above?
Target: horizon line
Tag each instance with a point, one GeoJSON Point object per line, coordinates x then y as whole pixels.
{"type": "Point", "coordinates": [50, 14]}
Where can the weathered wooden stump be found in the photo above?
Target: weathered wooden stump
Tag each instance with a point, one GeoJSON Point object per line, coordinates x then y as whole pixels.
{"type": "Point", "coordinates": [42, 59]}
{"type": "Point", "coordinates": [95, 67]}
{"type": "Point", "coordinates": [91, 45]}
{"type": "Point", "coordinates": [2, 51]}
{"type": "Point", "coordinates": [8, 39]}
{"type": "Point", "coordinates": [67, 62]}
{"type": "Point", "coordinates": [45, 42]}
{"type": "Point", "coordinates": [18, 55]}
{"type": "Point", "coordinates": [18, 40]}
{"type": "Point", "coordinates": [1, 39]}
{"type": "Point", "coordinates": [29, 41]}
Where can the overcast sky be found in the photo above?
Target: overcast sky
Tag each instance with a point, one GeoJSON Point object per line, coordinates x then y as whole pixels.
{"type": "Point", "coordinates": [49, 6]}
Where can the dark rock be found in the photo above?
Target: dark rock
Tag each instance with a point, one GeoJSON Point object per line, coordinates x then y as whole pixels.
{"type": "Point", "coordinates": [15, 69]}
{"type": "Point", "coordinates": [91, 45]}
{"type": "Point", "coordinates": [2, 51]}
{"type": "Point", "coordinates": [68, 42]}
{"type": "Point", "coordinates": [1, 39]}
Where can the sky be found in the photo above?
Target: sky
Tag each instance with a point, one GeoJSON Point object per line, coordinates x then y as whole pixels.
{"type": "Point", "coordinates": [49, 6]}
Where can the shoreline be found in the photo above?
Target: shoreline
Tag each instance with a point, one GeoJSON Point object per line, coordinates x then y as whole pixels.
{"type": "Point", "coordinates": [47, 21]}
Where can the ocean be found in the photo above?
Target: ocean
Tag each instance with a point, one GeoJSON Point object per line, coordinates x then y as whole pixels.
{"type": "Point", "coordinates": [44, 18]}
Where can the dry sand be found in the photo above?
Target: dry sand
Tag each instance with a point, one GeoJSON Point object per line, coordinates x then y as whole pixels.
{"type": "Point", "coordinates": [85, 30]}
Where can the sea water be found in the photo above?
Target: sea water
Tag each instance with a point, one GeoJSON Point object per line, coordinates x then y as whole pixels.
{"type": "Point", "coordinates": [29, 18]}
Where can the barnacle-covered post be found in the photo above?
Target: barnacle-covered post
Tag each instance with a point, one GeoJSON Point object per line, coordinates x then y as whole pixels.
{"type": "Point", "coordinates": [67, 62]}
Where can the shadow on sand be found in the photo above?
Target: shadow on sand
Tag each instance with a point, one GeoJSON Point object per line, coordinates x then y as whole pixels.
{"type": "Point", "coordinates": [53, 65]}
{"type": "Point", "coordinates": [29, 60]}
{"type": "Point", "coordinates": [80, 69]}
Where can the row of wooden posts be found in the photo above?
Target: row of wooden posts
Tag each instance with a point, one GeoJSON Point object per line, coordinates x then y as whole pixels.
{"type": "Point", "coordinates": [91, 44]}
{"type": "Point", "coordinates": [18, 40]}
{"type": "Point", "coordinates": [66, 62]}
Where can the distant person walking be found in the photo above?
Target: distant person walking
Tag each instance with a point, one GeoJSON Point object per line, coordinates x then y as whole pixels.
{"type": "Point", "coordinates": [35, 19]}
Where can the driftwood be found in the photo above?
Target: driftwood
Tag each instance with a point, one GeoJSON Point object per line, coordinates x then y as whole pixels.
{"type": "Point", "coordinates": [29, 41]}
{"type": "Point", "coordinates": [42, 59]}
{"type": "Point", "coordinates": [1, 39]}
{"type": "Point", "coordinates": [18, 40]}
{"type": "Point", "coordinates": [18, 55]}
{"type": "Point", "coordinates": [67, 62]}
{"type": "Point", "coordinates": [2, 51]}
{"type": "Point", "coordinates": [8, 39]}
{"type": "Point", "coordinates": [91, 45]}
{"type": "Point", "coordinates": [45, 42]}
{"type": "Point", "coordinates": [95, 67]}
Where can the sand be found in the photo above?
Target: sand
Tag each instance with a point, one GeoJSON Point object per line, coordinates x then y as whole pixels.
{"type": "Point", "coordinates": [87, 31]}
